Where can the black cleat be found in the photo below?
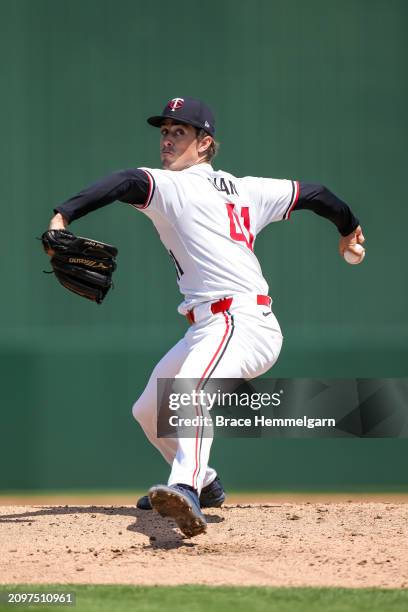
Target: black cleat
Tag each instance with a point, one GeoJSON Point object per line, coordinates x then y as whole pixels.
{"type": "Point", "coordinates": [143, 503]}
{"type": "Point", "coordinates": [212, 496]}
{"type": "Point", "coordinates": [181, 504]}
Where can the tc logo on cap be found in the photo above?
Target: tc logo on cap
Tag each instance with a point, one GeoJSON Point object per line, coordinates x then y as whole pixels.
{"type": "Point", "coordinates": [176, 103]}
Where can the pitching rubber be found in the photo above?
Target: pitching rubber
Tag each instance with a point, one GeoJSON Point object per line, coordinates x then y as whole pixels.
{"type": "Point", "coordinates": [173, 504]}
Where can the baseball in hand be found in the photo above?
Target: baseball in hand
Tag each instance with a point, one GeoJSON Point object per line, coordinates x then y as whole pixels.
{"type": "Point", "coordinates": [352, 258]}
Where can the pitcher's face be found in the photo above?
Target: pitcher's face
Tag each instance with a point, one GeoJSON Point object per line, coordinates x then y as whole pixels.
{"type": "Point", "coordinates": [179, 146]}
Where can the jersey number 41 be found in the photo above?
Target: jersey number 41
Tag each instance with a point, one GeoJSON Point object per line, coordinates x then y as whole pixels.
{"type": "Point", "coordinates": [240, 225]}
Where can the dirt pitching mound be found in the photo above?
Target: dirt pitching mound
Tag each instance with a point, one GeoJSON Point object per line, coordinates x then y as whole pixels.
{"type": "Point", "coordinates": [285, 544]}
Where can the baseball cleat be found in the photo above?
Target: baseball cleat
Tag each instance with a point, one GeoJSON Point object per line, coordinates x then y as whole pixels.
{"type": "Point", "coordinates": [143, 503]}
{"type": "Point", "coordinates": [181, 504]}
{"type": "Point", "coordinates": [212, 496]}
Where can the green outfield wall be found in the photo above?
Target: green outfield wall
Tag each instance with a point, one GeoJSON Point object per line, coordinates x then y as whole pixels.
{"type": "Point", "coordinates": [314, 91]}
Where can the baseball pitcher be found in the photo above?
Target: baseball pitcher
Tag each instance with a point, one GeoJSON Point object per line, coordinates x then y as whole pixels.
{"type": "Point", "coordinates": [208, 221]}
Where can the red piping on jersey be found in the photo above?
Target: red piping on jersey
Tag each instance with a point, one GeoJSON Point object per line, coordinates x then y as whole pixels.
{"type": "Point", "coordinates": [295, 199]}
{"type": "Point", "coordinates": [227, 323]}
{"type": "Point", "coordinates": [151, 186]}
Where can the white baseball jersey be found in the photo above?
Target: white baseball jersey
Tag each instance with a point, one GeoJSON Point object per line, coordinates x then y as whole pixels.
{"type": "Point", "coordinates": [208, 221]}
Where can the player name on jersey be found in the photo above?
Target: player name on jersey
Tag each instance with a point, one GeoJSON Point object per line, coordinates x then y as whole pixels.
{"type": "Point", "coordinates": [221, 185]}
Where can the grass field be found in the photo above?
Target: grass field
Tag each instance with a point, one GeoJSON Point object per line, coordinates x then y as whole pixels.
{"type": "Point", "coordinates": [225, 599]}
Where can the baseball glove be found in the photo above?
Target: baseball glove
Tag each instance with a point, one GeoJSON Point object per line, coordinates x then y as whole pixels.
{"type": "Point", "coordinates": [82, 265]}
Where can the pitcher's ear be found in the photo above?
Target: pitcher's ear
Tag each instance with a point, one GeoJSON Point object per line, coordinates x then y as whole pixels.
{"type": "Point", "coordinates": [205, 144]}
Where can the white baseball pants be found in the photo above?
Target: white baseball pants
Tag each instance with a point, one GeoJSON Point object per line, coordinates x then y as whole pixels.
{"type": "Point", "coordinates": [242, 342]}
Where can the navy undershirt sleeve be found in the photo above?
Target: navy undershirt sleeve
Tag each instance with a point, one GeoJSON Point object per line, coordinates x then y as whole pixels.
{"type": "Point", "coordinates": [324, 203]}
{"type": "Point", "coordinates": [130, 186]}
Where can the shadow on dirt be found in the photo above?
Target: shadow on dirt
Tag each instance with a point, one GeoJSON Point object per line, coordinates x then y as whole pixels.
{"type": "Point", "coordinates": [161, 533]}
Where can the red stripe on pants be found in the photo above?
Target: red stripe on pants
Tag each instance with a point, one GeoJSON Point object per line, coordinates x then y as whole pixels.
{"type": "Point", "coordinates": [227, 328]}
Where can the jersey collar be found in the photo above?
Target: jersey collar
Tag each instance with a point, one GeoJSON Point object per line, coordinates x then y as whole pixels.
{"type": "Point", "coordinates": [199, 169]}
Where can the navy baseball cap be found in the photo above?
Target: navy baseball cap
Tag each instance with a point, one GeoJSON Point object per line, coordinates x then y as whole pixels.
{"type": "Point", "coordinates": [186, 110]}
